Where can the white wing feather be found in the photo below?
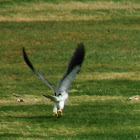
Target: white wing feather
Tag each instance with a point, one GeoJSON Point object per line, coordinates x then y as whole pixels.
{"type": "Point", "coordinates": [66, 82]}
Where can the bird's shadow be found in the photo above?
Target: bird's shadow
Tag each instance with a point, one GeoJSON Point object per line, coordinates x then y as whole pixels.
{"type": "Point", "coordinates": [26, 111]}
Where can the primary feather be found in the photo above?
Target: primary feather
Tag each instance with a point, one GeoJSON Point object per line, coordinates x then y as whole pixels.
{"type": "Point", "coordinates": [72, 69]}
{"type": "Point", "coordinates": [35, 71]}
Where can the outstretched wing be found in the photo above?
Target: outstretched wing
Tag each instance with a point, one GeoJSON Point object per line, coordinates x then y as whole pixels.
{"type": "Point", "coordinates": [72, 69]}
{"type": "Point", "coordinates": [36, 72]}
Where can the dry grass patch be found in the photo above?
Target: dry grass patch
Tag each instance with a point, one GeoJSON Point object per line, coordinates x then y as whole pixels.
{"type": "Point", "coordinates": [64, 11]}
{"type": "Point", "coordinates": [112, 76]}
{"type": "Point", "coordinates": [76, 100]}
{"type": "Point", "coordinates": [27, 100]}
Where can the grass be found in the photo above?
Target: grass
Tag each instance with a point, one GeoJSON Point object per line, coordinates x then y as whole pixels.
{"type": "Point", "coordinates": [97, 107]}
{"type": "Point", "coordinates": [48, 11]}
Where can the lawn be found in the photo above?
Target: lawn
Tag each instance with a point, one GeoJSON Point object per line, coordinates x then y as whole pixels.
{"type": "Point", "coordinates": [50, 31]}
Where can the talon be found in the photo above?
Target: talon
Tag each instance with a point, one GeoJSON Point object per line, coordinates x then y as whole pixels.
{"type": "Point", "coordinates": [55, 115]}
{"type": "Point", "coordinates": [60, 112]}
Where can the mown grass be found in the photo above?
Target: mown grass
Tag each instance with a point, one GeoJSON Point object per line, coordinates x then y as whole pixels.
{"type": "Point", "coordinates": [97, 107]}
{"type": "Point", "coordinates": [72, 10]}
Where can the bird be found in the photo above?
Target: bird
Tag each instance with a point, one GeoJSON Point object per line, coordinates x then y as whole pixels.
{"type": "Point", "coordinates": [61, 91]}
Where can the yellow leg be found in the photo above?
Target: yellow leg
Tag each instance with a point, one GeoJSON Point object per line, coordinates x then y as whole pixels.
{"type": "Point", "coordinates": [60, 112]}
{"type": "Point", "coordinates": [55, 114]}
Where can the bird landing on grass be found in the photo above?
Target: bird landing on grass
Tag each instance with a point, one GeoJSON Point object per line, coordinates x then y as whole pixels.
{"type": "Point", "coordinates": [60, 93]}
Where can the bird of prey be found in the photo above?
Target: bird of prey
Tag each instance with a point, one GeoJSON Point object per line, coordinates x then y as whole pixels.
{"type": "Point", "coordinates": [60, 93]}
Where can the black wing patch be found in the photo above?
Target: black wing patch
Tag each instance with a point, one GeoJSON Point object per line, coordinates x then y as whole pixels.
{"type": "Point", "coordinates": [77, 58]}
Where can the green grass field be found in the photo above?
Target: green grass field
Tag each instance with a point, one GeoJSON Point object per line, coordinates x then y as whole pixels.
{"type": "Point", "coordinates": [50, 31]}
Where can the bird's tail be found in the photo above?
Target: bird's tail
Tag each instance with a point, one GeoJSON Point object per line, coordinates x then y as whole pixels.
{"type": "Point", "coordinates": [52, 98]}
